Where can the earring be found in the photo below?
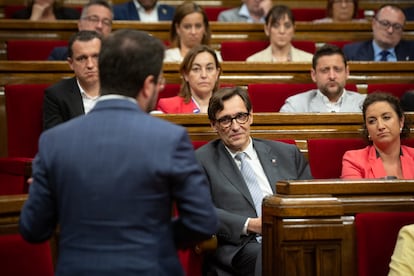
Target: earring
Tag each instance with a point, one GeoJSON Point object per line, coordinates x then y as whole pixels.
{"type": "Point", "coordinates": [369, 137]}
{"type": "Point", "coordinates": [400, 129]}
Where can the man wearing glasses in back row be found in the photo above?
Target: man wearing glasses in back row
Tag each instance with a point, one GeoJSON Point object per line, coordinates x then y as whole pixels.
{"type": "Point", "coordinates": [242, 170]}
{"type": "Point", "coordinates": [96, 16]}
{"type": "Point", "coordinates": [386, 45]}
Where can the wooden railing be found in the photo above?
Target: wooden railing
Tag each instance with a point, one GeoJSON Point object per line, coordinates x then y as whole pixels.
{"type": "Point", "coordinates": [309, 226]}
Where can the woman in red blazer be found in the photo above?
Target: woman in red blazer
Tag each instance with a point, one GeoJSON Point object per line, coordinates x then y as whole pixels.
{"type": "Point", "coordinates": [200, 72]}
{"type": "Point", "coordinates": [384, 126]}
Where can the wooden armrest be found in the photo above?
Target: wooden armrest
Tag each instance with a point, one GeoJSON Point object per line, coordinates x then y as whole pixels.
{"type": "Point", "coordinates": [207, 245]}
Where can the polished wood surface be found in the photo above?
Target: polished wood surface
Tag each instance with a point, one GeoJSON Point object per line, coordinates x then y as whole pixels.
{"type": "Point", "coordinates": [309, 226]}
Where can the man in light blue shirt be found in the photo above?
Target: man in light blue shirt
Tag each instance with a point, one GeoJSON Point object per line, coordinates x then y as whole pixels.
{"type": "Point", "coordinates": [251, 11]}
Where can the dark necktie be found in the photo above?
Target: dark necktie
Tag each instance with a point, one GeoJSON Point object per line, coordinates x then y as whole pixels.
{"type": "Point", "coordinates": [251, 181]}
{"type": "Point", "coordinates": [384, 54]}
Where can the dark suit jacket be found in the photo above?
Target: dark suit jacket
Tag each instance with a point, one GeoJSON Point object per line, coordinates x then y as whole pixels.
{"type": "Point", "coordinates": [59, 53]}
{"type": "Point", "coordinates": [128, 11]}
{"type": "Point", "coordinates": [363, 51]}
{"type": "Point", "coordinates": [62, 102]}
{"type": "Point", "coordinates": [409, 14]}
{"type": "Point", "coordinates": [109, 179]}
{"type": "Point", "coordinates": [230, 193]}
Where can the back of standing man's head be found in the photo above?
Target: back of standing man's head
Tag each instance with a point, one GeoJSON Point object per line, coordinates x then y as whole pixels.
{"type": "Point", "coordinates": [126, 59]}
{"type": "Point", "coordinates": [327, 50]}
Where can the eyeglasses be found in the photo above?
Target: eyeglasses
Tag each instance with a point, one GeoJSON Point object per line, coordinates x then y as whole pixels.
{"type": "Point", "coordinates": [227, 121]}
{"type": "Point", "coordinates": [95, 20]}
{"type": "Point", "coordinates": [387, 24]}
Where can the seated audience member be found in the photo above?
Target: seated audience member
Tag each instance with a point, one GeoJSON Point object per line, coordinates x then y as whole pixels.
{"type": "Point", "coordinates": [241, 171]}
{"type": "Point", "coordinates": [200, 71]}
{"type": "Point", "coordinates": [75, 96]}
{"type": "Point", "coordinates": [96, 16]}
{"type": "Point", "coordinates": [42, 10]}
{"type": "Point", "coordinates": [340, 11]}
{"type": "Point", "coordinates": [407, 101]}
{"type": "Point", "coordinates": [144, 11]}
{"type": "Point", "coordinates": [387, 43]}
{"type": "Point", "coordinates": [280, 28]}
{"type": "Point", "coordinates": [252, 11]}
{"type": "Point", "coordinates": [402, 260]}
{"type": "Point", "coordinates": [384, 126]}
{"type": "Point", "coordinates": [190, 27]}
{"type": "Point", "coordinates": [108, 181]}
{"type": "Point", "coordinates": [409, 13]}
{"type": "Point", "coordinates": [330, 72]}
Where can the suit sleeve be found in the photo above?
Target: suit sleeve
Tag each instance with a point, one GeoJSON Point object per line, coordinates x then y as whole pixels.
{"type": "Point", "coordinates": [350, 167]}
{"type": "Point", "coordinates": [403, 256]}
{"type": "Point", "coordinates": [51, 111]}
{"type": "Point", "coordinates": [197, 218]}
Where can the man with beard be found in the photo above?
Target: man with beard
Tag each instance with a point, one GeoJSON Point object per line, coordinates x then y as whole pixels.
{"type": "Point", "coordinates": [330, 72]}
{"type": "Point", "coordinates": [143, 10]}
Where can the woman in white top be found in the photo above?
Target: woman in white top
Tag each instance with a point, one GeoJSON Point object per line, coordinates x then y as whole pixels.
{"type": "Point", "coordinates": [189, 28]}
{"type": "Point", "coordinates": [280, 28]}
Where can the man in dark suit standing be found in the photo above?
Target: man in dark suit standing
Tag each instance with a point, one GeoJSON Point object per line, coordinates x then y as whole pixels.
{"type": "Point", "coordinates": [75, 96]}
{"type": "Point", "coordinates": [110, 179]}
{"type": "Point", "coordinates": [387, 43]}
{"type": "Point", "coordinates": [237, 200]}
{"type": "Point", "coordinates": [143, 10]}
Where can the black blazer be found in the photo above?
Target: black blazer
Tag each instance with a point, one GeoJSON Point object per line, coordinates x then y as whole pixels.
{"type": "Point", "coordinates": [62, 102]}
{"type": "Point", "coordinates": [364, 51]}
{"type": "Point", "coordinates": [59, 53]}
{"type": "Point", "coordinates": [60, 13]}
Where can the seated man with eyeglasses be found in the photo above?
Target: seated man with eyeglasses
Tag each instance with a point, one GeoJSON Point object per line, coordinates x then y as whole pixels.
{"type": "Point", "coordinates": [241, 171]}
{"type": "Point", "coordinates": [387, 43]}
{"type": "Point", "coordinates": [96, 16]}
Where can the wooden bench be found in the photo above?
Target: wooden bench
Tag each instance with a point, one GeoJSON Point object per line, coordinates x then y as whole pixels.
{"type": "Point", "coordinates": [309, 226]}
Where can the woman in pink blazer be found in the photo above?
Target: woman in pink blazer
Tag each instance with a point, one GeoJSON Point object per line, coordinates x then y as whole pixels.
{"type": "Point", "coordinates": [384, 126]}
{"type": "Point", "coordinates": [200, 72]}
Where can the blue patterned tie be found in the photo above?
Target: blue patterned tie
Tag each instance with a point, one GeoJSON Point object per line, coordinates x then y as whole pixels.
{"type": "Point", "coordinates": [384, 54]}
{"type": "Point", "coordinates": [251, 181]}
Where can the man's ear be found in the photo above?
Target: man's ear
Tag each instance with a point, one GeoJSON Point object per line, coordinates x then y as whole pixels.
{"type": "Point", "coordinates": [70, 62]}
{"type": "Point", "coordinates": [213, 126]}
{"type": "Point", "coordinates": [145, 95]}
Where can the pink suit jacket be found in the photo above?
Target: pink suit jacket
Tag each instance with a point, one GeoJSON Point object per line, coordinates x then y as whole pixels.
{"type": "Point", "coordinates": [363, 163]}
{"type": "Point", "coordinates": [176, 105]}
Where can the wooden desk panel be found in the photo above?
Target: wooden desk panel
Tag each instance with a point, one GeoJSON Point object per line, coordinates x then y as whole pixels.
{"type": "Point", "coordinates": [308, 228]}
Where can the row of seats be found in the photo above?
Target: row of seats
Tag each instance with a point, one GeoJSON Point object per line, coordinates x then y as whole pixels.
{"type": "Point", "coordinates": [38, 49]}
{"type": "Point", "coordinates": [300, 14]}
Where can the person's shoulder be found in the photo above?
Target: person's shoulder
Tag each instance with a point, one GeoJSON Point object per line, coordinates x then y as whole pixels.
{"type": "Point", "coordinates": [59, 53]}
{"type": "Point", "coordinates": [59, 86]}
{"type": "Point", "coordinates": [300, 55]}
{"type": "Point", "coordinates": [357, 154]}
{"type": "Point", "coordinates": [408, 149]}
{"type": "Point", "coordinates": [208, 150]}
{"type": "Point", "coordinates": [260, 56]}
{"type": "Point", "coordinates": [355, 45]}
{"type": "Point", "coordinates": [21, 14]}
{"type": "Point", "coordinates": [70, 13]}
{"type": "Point", "coordinates": [229, 15]}
{"type": "Point", "coordinates": [167, 8]}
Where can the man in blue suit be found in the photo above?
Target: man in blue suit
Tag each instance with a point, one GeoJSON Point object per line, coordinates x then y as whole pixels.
{"type": "Point", "coordinates": [110, 179]}
{"type": "Point", "coordinates": [143, 10]}
{"type": "Point", "coordinates": [387, 43]}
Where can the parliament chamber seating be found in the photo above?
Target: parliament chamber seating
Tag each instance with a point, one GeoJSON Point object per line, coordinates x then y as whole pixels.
{"type": "Point", "coordinates": [397, 89]}
{"type": "Point", "coordinates": [213, 12]}
{"type": "Point", "coordinates": [376, 236]}
{"type": "Point", "coordinates": [33, 49]}
{"type": "Point", "coordinates": [325, 155]}
{"type": "Point", "coordinates": [241, 50]}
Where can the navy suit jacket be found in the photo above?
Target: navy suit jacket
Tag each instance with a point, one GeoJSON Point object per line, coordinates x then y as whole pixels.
{"type": "Point", "coordinates": [230, 193]}
{"type": "Point", "coordinates": [110, 180]}
{"type": "Point", "coordinates": [128, 11]}
{"type": "Point", "coordinates": [59, 53]}
{"type": "Point", "coordinates": [364, 51]}
{"type": "Point", "coordinates": [62, 102]}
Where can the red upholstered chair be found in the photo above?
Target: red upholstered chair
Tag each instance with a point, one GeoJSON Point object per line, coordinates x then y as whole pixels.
{"type": "Point", "coordinates": [325, 155]}
{"type": "Point", "coordinates": [20, 258]}
{"type": "Point", "coordinates": [9, 10]}
{"type": "Point", "coordinates": [269, 97]}
{"type": "Point", "coordinates": [32, 49]}
{"type": "Point", "coordinates": [213, 12]}
{"type": "Point", "coordinates": [241, 50]}
{"type": "Point", "coordinates": [24, 125]}
{"type": "Point", "coordinates": [170, 90]}
{"type": "Point", "coordinates": [308, 14]}
{"type": "Point", "coordinates": [376, 235]}
{"type": "Point", "coordinates": [397, 89]}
